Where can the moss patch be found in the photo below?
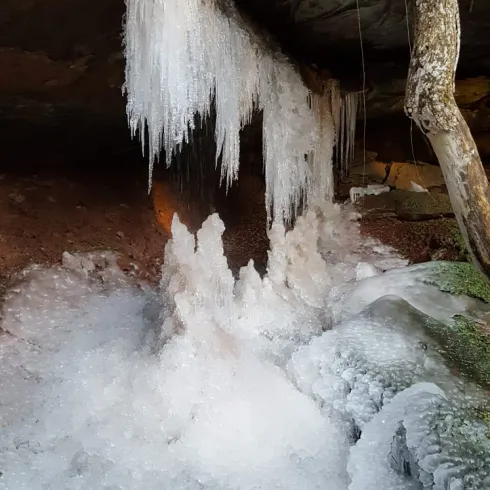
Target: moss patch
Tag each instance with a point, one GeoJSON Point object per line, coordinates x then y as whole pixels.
{"type": "Point", "coordinates": [460, 245]}
{"type": "Point", "coordinates": [466, 344]}
{"type": "Point", "coordinates": [459, 278]}
{"type": "Point", "coordinates": [483, 414]}
{"type": "Point", "coordinates": [417, 205]}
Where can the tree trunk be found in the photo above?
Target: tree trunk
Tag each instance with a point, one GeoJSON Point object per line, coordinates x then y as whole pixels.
{"type": "Point", "coordinates": [429, 101]}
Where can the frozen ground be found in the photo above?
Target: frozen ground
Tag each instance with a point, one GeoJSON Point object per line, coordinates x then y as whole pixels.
{"type": "Point", "coordinates": [216, 384]}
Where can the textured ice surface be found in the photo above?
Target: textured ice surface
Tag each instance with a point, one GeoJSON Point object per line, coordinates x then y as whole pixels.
{"type": "Point", "coordinates": [357, 367]}
{"type": "Point", "coordinates": [213, 383]}
{"type": "Point", "coordinates": [87, 403]}
{"type": "Point", "coordinates": [431, 443]}
{"type": "Point", "coordinates": [407, 283]}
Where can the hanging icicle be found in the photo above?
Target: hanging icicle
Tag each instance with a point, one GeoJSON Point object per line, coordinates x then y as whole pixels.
{"type": "Point", "coordinates": [344, 113]}
{"type": "Point", "coordinates": [322, 188]}
{"type": "Point", "coordinates": [185, 55]}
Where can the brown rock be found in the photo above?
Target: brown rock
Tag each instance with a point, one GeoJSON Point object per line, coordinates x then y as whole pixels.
{"type": "Point", "coordinates": [17, 198]}
{"type": "Point", "coordinates": [402, 174]}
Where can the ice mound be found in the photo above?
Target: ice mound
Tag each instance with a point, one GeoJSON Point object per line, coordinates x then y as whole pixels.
{"type": "Point", "coordinates": [413, 284]}
{"type": "Point", "coordinates": [99, 396]}
{"type": "Point", "coordinates": [221, 384]}
{"type": "Point", "coordinates": [356, 368]}
{"type": "Point", "coordinates": [362, 369]}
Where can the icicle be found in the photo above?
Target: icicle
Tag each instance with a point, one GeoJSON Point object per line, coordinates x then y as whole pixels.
{"type": "Point", "coordinates": [342, 136]}
{"type": "Point", "coordinates": [185, 55]}
{"type": "Point", "coordinates": [344, 111]}
{"type": "Point", "coordinates": [336, 107]}
{"type": "Point", "coordinates": [353, 100]}
{"type": "Point", "coordinates": [321, 188]}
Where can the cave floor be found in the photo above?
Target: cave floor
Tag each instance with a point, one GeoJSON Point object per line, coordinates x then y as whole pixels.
{"type": "Point", "coordinates": [41, 216]}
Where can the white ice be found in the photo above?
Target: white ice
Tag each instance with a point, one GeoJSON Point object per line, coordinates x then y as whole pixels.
{"type": "Point", "coordinates": [183, 56]}
{"type": "Point", "coordinates": [210, 383]}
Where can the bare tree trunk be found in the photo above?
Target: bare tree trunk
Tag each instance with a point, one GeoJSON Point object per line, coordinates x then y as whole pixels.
{"type": "Point", "coordinates": [429, 101]}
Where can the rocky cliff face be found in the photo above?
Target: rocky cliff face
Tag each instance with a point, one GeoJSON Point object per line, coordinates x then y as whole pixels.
{"type": "Point", "coordinates": [327, 32]}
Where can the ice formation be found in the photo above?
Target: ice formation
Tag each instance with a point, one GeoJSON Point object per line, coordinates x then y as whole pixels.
{"type": "Point", "coordinates": [431, 443]}
{"type": "Point", "coordinates": [185, 55]}
{"type": "Point", "coordinates": [414, 187]}
{"type": "Point", "coordinates": [349, 107]}
{"type": "Point", "coordinates": [222, 384]}
{"type": "Point", "coordinates": [279, 382]}
{"type": "Point", "coordinates": [355, 193]}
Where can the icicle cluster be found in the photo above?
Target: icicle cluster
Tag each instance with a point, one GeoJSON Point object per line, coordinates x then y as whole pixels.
{"type": "Point", "coordinates": [347, 116]}
{"type": "Point", "coordinates": [185, 55]}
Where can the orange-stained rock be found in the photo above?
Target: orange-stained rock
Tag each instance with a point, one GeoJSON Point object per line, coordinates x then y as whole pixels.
{"type": "Point", "coordinates": [402, 174]}
{"type": "Point", "coordinates": [167, 201]}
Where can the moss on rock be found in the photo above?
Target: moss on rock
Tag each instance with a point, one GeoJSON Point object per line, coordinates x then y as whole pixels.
{"type": "Point", "coordinates": [461, 246]}
{"type": "Point", "coordinates": [483, 415]}
{"type": "Point", "coordinates": [459, 278]}
{"type": "Point", "coordinates": [421, 205]}
{"type": "Point", "coordinates": [466, 344]}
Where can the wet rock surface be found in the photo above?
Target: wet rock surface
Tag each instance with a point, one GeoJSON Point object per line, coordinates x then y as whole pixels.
{"type": "Point", "coordinates": [69, 53]}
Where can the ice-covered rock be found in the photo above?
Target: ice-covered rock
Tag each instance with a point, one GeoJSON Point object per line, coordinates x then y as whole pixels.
{"type": "Point", "coordinates": [465, 343]}
{"type": "Point", "coordinates": [457, 278]}
{"type": "Point", "coordinates": [359, 366]}
{"type": "Point", "coordinates": [422, 440]}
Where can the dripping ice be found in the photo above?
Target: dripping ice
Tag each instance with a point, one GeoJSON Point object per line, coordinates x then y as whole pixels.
{"type": "Point", "coordinates": [170, 78]}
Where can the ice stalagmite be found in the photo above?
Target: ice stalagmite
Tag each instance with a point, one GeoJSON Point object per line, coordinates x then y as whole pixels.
{"type": "Point", "coordinates": [185, 55]}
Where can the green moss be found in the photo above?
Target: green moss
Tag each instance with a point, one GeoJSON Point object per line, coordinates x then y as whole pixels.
{"type": "Point", "coordinates": [460, 245]}
{"type": "Point", "coordinates": [483, 415]}
{"type": "Point", "coordinates": [465, 344]}
{"type": "Point", "coordinates": [459, 278]}
{"type": "Point", "coordinates": [416, 204]}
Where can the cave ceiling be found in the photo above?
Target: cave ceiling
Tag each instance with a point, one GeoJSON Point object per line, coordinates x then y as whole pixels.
{"type": "Point", "coordinates": [65, 57]}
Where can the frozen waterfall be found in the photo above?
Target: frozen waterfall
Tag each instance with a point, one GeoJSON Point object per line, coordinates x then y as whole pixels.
{"type": "Point", "coordinates": [318, 376]}
{"type": "Point", "coordinates": [183, 56]}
